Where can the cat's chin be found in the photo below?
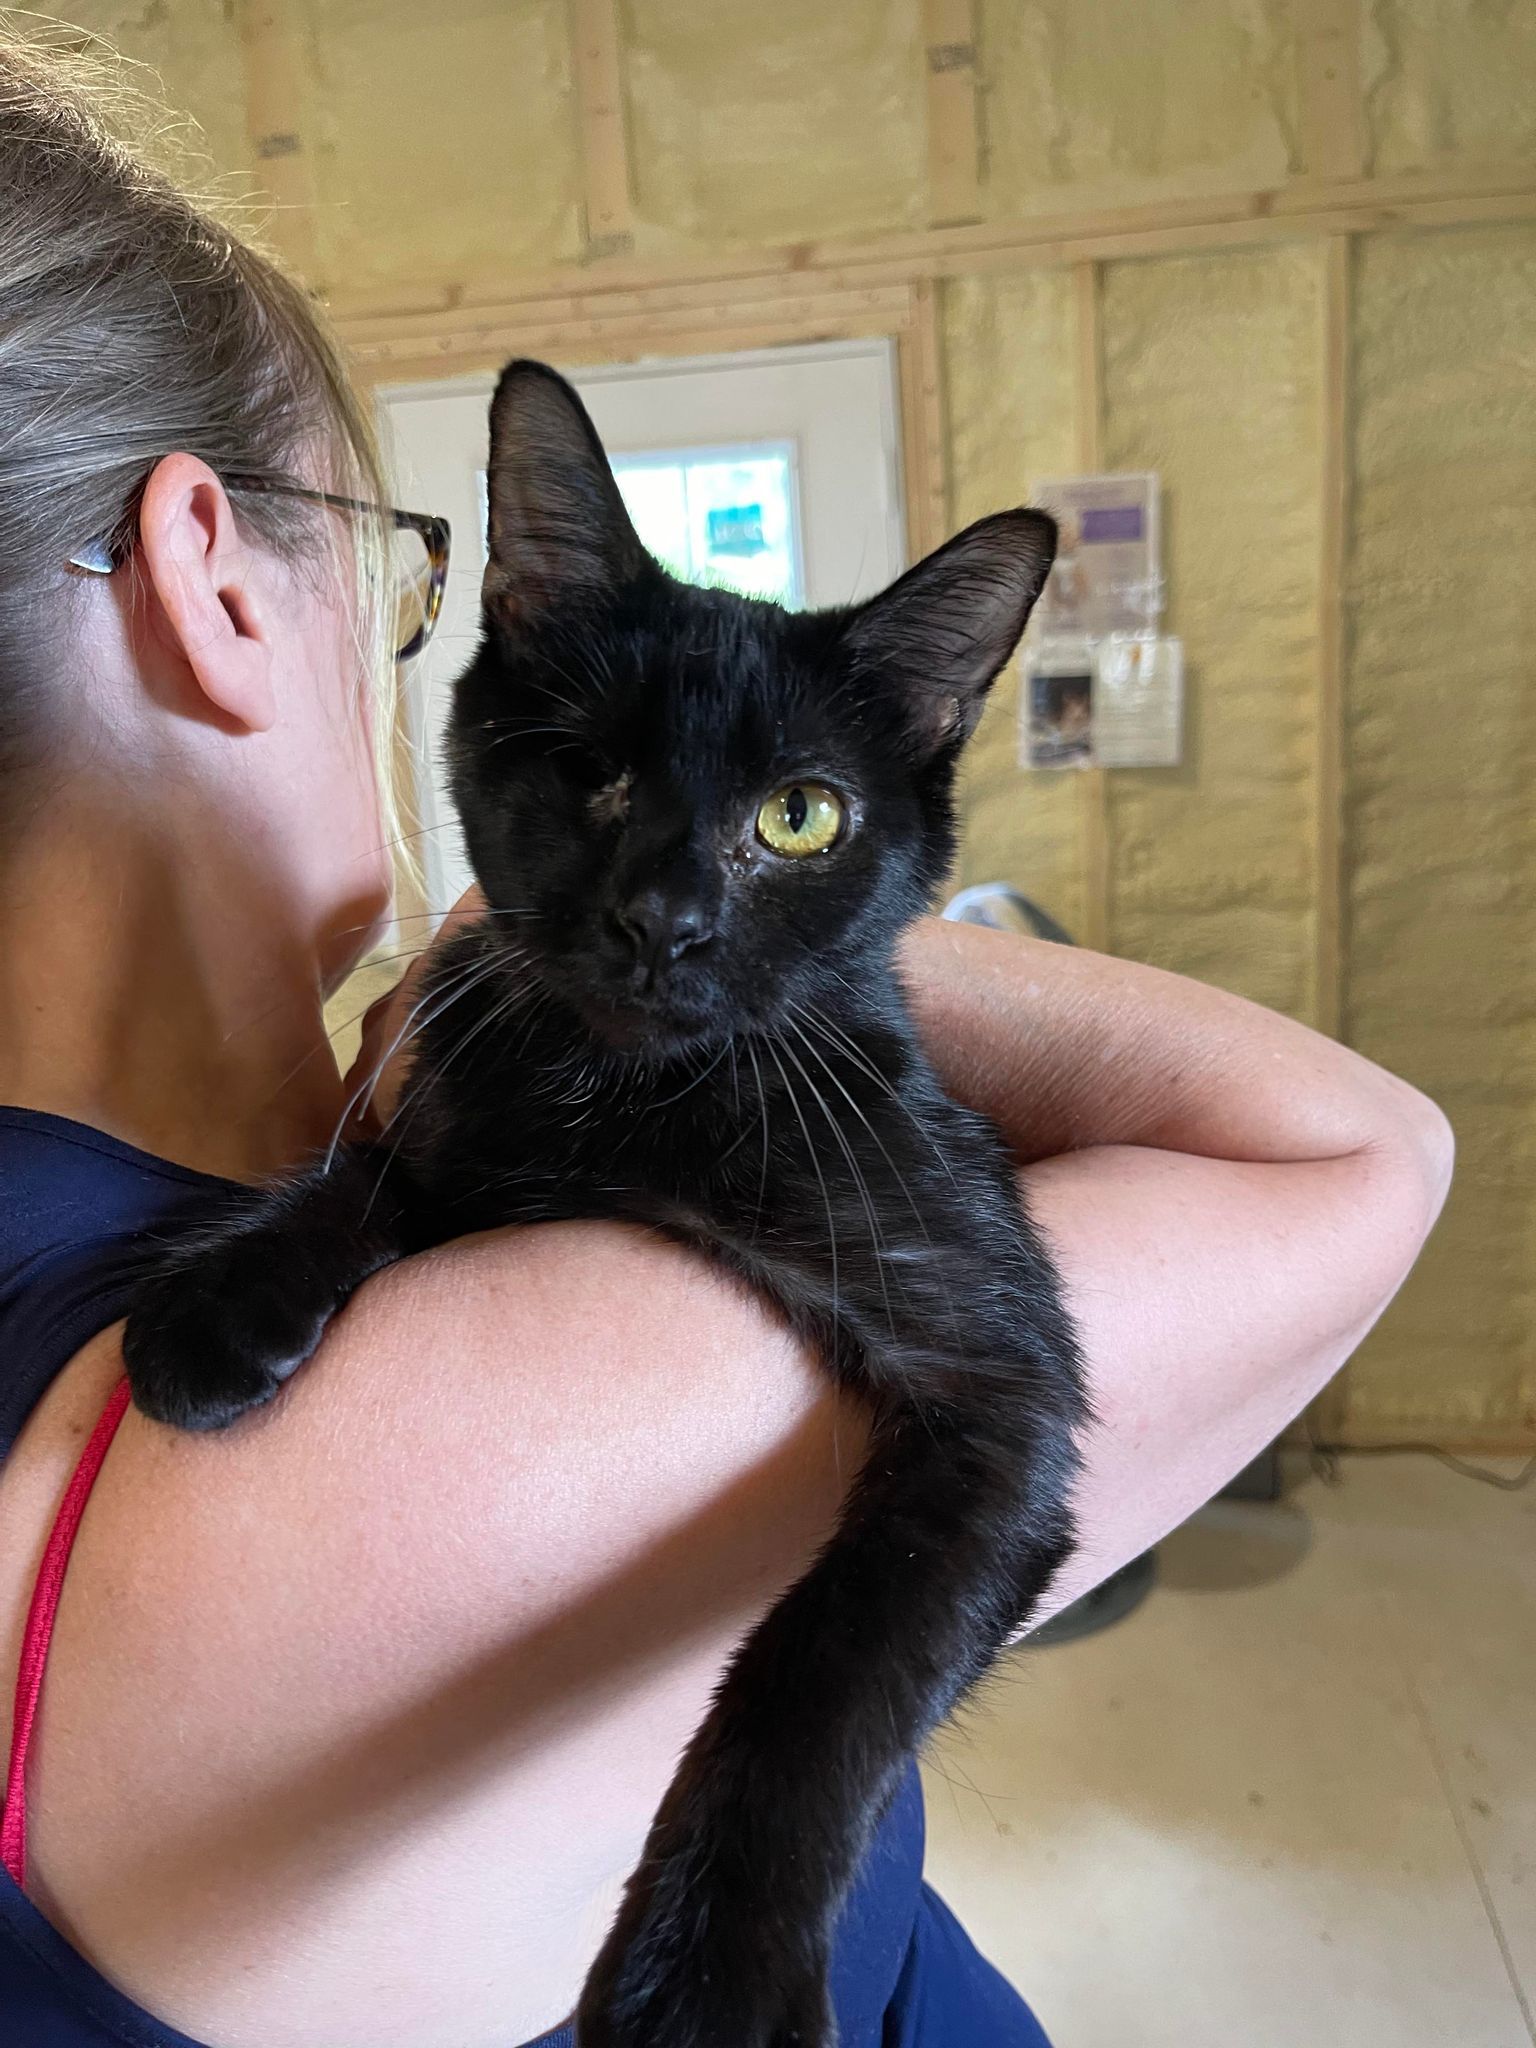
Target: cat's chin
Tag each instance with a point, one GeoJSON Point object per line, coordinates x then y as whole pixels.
{"type": "Point", "coordinates": [646, 1032]}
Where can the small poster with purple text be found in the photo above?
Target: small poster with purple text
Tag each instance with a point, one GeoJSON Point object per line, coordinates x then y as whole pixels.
{"type": "Point", "coordinates": [1108, 573]}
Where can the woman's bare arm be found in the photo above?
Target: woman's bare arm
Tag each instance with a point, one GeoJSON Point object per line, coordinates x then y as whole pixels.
{"type": "Point", "coordinates": [357, 1714]}
{"type": "Point", "coordinates": [422, 1643]}
{"type": "Point", "coordinates": [1067, 1049]}
{"type": "Point", "coordinates": [1233, 1201]}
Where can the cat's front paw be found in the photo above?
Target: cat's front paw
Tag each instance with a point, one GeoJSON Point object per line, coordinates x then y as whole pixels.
{"type": "Point", "coordinates": [684, 1967]}
{"type": "Point", "coordinates": [218, 1333]}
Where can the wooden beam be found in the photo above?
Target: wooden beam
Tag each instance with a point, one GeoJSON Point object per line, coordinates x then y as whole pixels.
{"type": "Point", "coordinates": [1398, 188]}
{"type": "Point", "coordinates": [612, 343]}
{"type": "Point", "coordinates": [275, 124]}
{"type": "Point", "coordinates": [1168, 227]}
{"type": "Point", "coordinates": [953, 254]}
{"type": "Point", "coordinates": [428, 346]}
{"type": "Point", "coordinates": [954, 161]}
{"type": "Point", "coordinates": [1330, 92]}
{"type": "Point", "coordinates": [925, 465]}
{"type": "Point", "coordinates": [1092, 782]}
{"type": "Point", "coordinates": [662, 308]}
{"type": "Point", "coordinates": [597, 56]}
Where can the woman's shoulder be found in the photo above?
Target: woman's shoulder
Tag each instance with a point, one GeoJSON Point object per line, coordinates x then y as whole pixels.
{"type": "Point", "coordinates": [447, 1612]}
{"type": "Point", "coordinates": [80, 1209]}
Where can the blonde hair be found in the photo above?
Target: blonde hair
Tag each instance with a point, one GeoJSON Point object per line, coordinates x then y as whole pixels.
{"type": "Point", "coordinates": [135, 322]}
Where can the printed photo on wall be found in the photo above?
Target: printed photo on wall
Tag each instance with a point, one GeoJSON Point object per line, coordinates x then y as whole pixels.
{"type": "Point", "coordinates": [1058, 729]}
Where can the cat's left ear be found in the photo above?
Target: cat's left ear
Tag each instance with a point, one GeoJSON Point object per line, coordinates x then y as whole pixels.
{"type": "Point", "coordinates": [942, 633]}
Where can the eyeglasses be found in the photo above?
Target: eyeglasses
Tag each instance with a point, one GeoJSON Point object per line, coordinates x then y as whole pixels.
{"type": "Point", "coordinates": [421, 543]}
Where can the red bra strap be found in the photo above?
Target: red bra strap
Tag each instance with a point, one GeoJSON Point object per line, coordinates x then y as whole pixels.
{"type": "Point", "coordinates": [39, 1631]}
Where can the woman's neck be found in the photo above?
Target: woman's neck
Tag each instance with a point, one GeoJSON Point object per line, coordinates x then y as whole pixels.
{"type": "Point", "coordinates": [151, 986]}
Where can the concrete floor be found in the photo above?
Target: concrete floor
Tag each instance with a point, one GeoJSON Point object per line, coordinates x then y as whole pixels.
{"type": "Point", "coordinates": [1290, 1802]}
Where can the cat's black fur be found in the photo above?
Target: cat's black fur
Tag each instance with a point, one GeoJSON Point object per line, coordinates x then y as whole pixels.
{"type": "Point", "coordinates": [664, 1021]}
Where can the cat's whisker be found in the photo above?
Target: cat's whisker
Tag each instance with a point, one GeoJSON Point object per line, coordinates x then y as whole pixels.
{"type": "Point", "coordinates": [392, 959]}
{"type": "Point", "coordinates": [896, 1172]}
{"type": "Point", "coordinates": [840, 1041]}
{"type": "Point", "coordinates": [406, 1108]}
{"type": "Point", "coordinates": [667, 1101]}
{"type": "Point", "coordinates": [581, 684]}
{"type": "Point", "coordinates": [261, 1016]}
{"type": "Point", "coordinates": [470, 976]}
{"type": "Point", "coordinates": [794, 1019]}
{"type": "Point", "coordinates": [877, 1240]}
{"type": "Point", "coordinates": [821, 1179]}
{"type": "Point", "coordinates": [372, 960]}
{"type": "Point", "coordinates": [536, 732]}
{"type": "Point", "coordinates": [327, 1043]}
{"type": "Point", "coordinates": [539, 1001]}
{"type": "Point", "coordinates": [762, 1098]}
{"type": "Point", "coordinates": [744, 1130]}
{"type": "Point", "coordinates": [517, 993]}
{"type": "Point", "coordinates": [420, 916]}
{"type": "Point", "coordinates": [556, 702]}
{"type": "Point", "coordinates": [347, 1024]}
{"type": "Point", "coordinates": [406, 838]}
{"type": "Point", "coordinates": [589, 651]}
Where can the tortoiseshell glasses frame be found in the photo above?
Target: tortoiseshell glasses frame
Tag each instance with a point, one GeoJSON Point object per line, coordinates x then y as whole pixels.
{"type": "Point", "coordinates": [434, 533]}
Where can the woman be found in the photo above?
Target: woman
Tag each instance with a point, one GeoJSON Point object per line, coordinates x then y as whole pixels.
{"type": "Point", "coordinates": [355, 1716]}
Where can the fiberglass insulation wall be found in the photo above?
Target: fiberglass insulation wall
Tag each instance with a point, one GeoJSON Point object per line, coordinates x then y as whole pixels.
{"type": "Point", "coordinates": [444, 151]}
{"type": "Point", "coordinates": [1441, 708]}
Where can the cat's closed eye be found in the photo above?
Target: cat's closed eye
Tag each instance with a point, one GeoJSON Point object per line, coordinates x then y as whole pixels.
{"type": "Point", "coordinates": [576, 762]}
{"type": "Point", "coordinates": [802, 818]}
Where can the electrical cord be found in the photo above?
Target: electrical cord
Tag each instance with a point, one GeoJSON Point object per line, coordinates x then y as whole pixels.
{"type": "Point", "coordinates": [1325, 1461]}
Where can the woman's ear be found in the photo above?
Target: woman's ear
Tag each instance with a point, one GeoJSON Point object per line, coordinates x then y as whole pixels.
{"type": "Point", "coordinates": [214, 605]}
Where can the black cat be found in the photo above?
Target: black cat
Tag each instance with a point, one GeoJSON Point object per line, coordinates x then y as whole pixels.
{"type": "Point", "coordinates": [702, 824]}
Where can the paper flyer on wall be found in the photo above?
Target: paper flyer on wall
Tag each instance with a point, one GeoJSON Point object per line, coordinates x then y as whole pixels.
{"type": "Point", "coordinates": [1107, 576]}
{"type": "Point", "coordinates": [1138, 701]}
{"type": "Point", "coordinates": [1115, 702]}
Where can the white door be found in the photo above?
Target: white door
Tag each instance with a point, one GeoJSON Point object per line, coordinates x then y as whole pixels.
{"type": "Point", "coordinates": [776, 472]}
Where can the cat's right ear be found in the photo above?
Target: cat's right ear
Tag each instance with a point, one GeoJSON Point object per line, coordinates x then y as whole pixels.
{"type": "Point", "coordinates": [558, 528]}
{"type": "Point", "coordinates": [940, 636]}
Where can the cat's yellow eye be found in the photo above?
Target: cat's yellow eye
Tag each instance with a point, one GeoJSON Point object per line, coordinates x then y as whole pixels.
{"type": "Point", "coordinates": [804, 817]}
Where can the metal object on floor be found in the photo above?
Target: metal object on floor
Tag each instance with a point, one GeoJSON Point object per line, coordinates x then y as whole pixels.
{"type": "Point", "coordinates": [1002, 908]}
{"type": "Point", "coordinates": [1261, 1480]}
{"type": "Point", "coordinates": [1119, 1595]}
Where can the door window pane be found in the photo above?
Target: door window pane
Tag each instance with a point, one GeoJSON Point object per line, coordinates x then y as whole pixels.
{"type": "Point", "coordinates": [723, 516]}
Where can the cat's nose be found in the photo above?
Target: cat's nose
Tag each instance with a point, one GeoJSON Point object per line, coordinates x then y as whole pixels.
{"type": "Point", "coordinates": [661, 927]}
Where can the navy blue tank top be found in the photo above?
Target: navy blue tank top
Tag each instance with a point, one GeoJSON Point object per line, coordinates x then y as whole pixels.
{"type": "Point", "coordinates": [77, 1211]}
